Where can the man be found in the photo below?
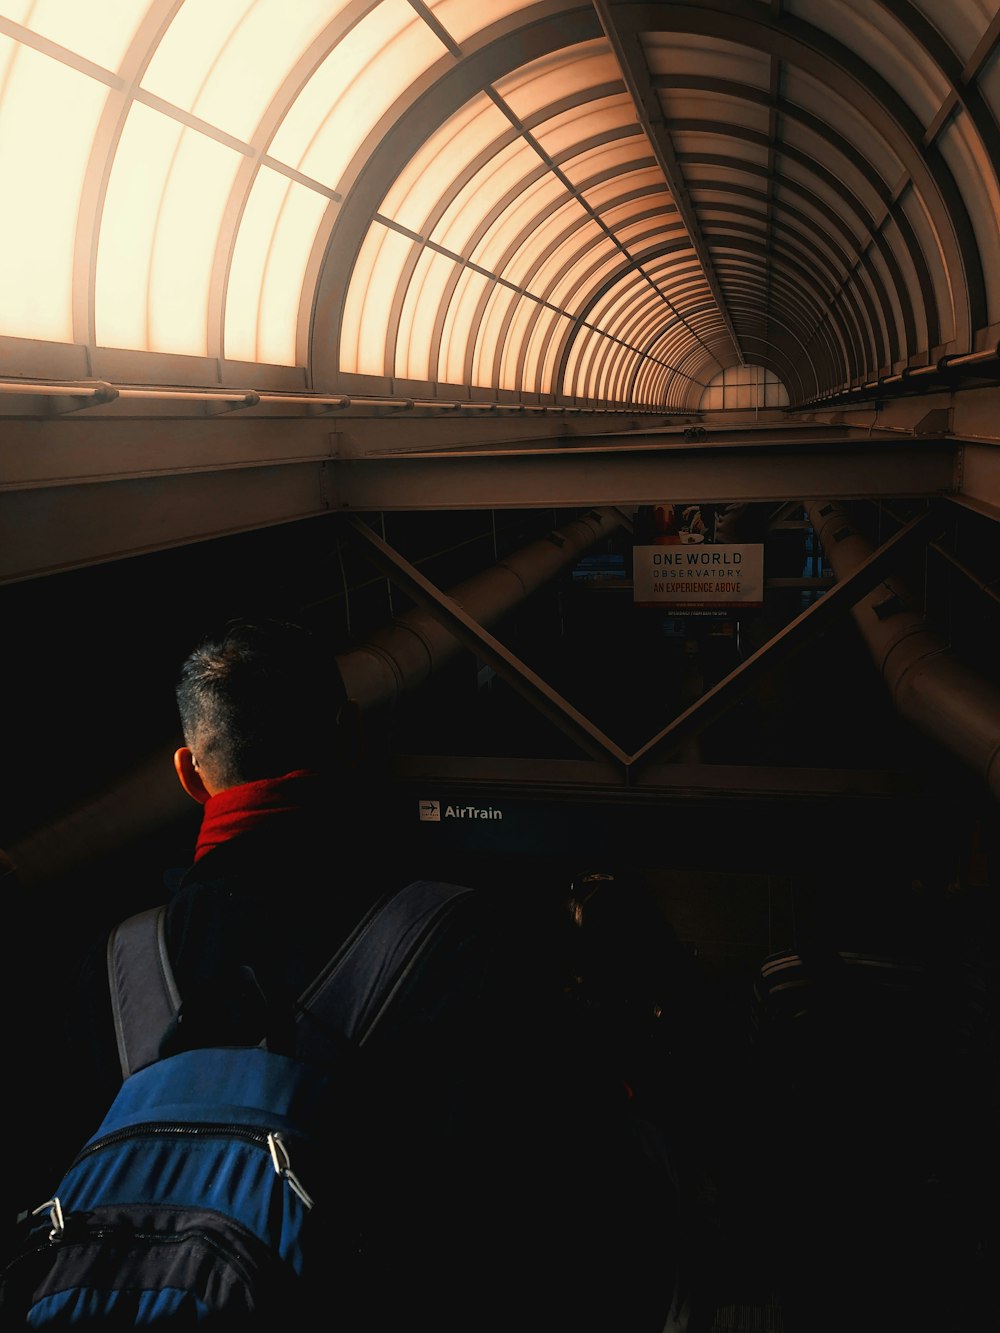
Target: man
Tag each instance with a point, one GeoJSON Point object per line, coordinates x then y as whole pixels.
{"type": "Point", "coordinates": [499, 1180]}
{"type": "Point", "coordinates": [270, 754]}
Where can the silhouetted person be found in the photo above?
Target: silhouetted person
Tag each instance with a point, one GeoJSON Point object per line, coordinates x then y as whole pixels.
{"type": "Point", "coordinates": [499, 1178]}
{"type": "Point", "coordinates": [270, 892]}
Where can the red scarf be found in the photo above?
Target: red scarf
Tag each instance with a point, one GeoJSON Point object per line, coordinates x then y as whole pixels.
{"type": "Point", "coordinates": [243, 808]}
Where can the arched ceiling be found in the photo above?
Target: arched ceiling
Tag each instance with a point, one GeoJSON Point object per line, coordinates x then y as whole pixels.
{"type": "Point", "coordinates": [360, 255]}
{"type": "Point", "coordinates": [590, 204]}
{"type": "Point", "coordinates": [268, 260]}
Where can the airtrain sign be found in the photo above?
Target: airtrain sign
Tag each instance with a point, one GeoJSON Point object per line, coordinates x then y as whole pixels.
{"type": "Point", "coordinates": [433, 812]}
{"type": "Point", "coordinates": [695, 577]}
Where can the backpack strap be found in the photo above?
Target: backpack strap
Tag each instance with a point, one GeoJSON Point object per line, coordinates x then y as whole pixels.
{"type": "Point", "coordinates": [346, 1000]}
{"type": "Point", "coordinates": [356, 989]}
{"type": "Point", "coordinates": [144, 995]}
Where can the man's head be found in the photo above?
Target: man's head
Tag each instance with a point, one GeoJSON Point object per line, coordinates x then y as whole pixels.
{"type": "Point", "coordinates": [259, 700]}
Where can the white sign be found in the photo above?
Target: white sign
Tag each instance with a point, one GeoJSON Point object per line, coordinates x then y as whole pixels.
{"type": "Point", "coordinates": [699, 576]}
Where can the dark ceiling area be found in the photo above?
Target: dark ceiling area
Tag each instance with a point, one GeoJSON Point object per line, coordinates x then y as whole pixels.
{"type": "Point", "coordinates": [792, 740]}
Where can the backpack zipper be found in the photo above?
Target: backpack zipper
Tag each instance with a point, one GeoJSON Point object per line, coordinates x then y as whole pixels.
{"type": "Point", "coordinates": [273, 1140]}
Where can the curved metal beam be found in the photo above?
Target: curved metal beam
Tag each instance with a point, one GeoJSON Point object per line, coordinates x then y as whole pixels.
{"type": "Point", "coordinates": [625, 46]}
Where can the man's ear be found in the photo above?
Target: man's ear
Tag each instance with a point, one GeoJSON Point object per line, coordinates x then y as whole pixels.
{"type": "Point", "coordinates": [188, 776]}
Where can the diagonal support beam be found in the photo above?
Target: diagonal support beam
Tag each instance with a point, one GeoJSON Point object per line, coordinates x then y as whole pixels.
{"type": "Point", "coordinates": [640, 87]}
{"type": "Point", "coordinates": [478, 640]}
{"type": "Point", "coordinates": [839, 600]}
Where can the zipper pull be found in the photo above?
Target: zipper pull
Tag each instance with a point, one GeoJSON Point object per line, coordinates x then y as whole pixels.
{"type": "Point", "coordinates": [283, 1166]}
{"type": "Point", "coordinates": [55, 1217]}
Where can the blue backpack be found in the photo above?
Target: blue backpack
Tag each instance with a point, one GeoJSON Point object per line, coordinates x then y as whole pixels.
{"type": "Point", "coordinates": [217, 1184]}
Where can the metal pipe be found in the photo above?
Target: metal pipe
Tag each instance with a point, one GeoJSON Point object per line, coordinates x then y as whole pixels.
{"type": "Point", "coordinates": [395, 661]}
{"type": "Point", "coordinates": [927, 683]}
{"type": "Point", "coordinates": [245, 397]}
{"type": "Point", "coordinates": [97, 393]}
{"type": "Point", "coordinates": [95, 389]}
{"type": "Point", "coordinates": [307, 399]}
{"type": "Point", "coordinates": [967, 360]}
{"type": "Point", "coordinates": [404, 654]}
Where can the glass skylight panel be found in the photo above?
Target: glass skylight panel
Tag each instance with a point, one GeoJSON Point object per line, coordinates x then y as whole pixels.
{"type": "Point", "coordinates": [48, 116]}
{"type": "Point", "coordinates": [560, 229]}
{"type": "Point", "coordinates": [249, 262]}
{"type": "Point", "coordinates": [687, 103]}
{"type": "Point", "coordinates": [440, 160]}
{"type": "Point", "coordinates": [619, 370]}
{"type": "Point", "coordinates": [128, 226]}
{"type": "Point", "coordinates": [889, 47]}
{"type": "Point", "coordinates": [643, 334]}
{"type": "Point", "coordinates": [803, 90]}
{"type": "Point", "coordinates": [157, 253]}
{"type": "Point", "coordinates": [287, 263]}
{"type": "Point", "coordinates": [567, 73]}
{"type": "Point", "coordinates": [538, 353]}
{"type": "Point", "coordinates": [668, 343]}
{"type": "Point", "coordinates": [513, 343]}
{"type": "Point", "coordinates": [623, 185]}
{"type": "Point", "coordinates": [368, 307]}
{"type": "Point", "coordinates": [575, 284]}
{"type": "Point", "coordinates": [640, 236]}
{"type": "Point", "coordinates": [657, 202]}
{"type": "Point", "coordinates": [100, 32]}
{"type": "Point", "coordinates": [489, 335]}
{"type": "Point", "coordinates": [508, 171]}
{"type": "Point", "coordinates": [580, 363]}
{"type": "Point", "coordinates": [630, 286]}
{"type": "Point", "coordinates": [525, 211]}
{"type": "Point", "coordinates": [547, 280]}
{"type": "Point", "coordinates": [550, 334]}
{"type": "Point", "coordinates": [270, 257]}
{"type": "Point", "coordinates": [586, 121]}
{"type": "Point", "coordinates": [372, 65]}
{"type": "Point", "coordinates": [418, 317]}
{"type": "Point", "coordinates": [614, 366]}
{"type": "Point", "coordinates": [536, 343]}
{"type": "Point", "coordinates": [591, 273]}
{"type": "Point", "coordinates": [464, 18]}
{"type": "Point", "coordinates": [457, 332]}
{"type": "Point", "coordinates": [703, 144]}
{"type": "Point", "coordinates": [203, 59]}
{"type": "Point", "coordinates": [683, 52]}
{"type": "Point", "coordinates": [184, 245]}
{"type": "Point", "coordinates": [618, 159]}
{"type": "Point", "coordinates": [650, 382]}
{"type": "Point", "coordinates": [581, 349]}
{"type": "Point", "coordinates": [685, 285]}
{"type": "Point", "coordinates": [633, 312]}
{"type": "Point", "coordinates": [675, 270]}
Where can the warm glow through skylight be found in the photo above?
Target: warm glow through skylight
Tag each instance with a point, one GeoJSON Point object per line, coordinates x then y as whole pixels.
{"type": "Point", "coordinates": [272, 249]}
{"type": "Point", "coordinates": [423, 300]}
{"type": "Point", "coordinates": [418, 187]}
{"type": "Point", "coordinates": [458, 327]}
{"type": "Point", "coordinates": [462, 18]}
{"type": "Point", "coordinates": [43, 161]}
{"type": "Point", "coordinates": [100, 32]}
{"type": "Point", "coordinates": [203, 59]}
{"type": "Point", "coordinates": [215, 145]}
{"type": "Point", "coordinates": [366, 312]}
{"type": "Point", "coordinates": [361, 78]}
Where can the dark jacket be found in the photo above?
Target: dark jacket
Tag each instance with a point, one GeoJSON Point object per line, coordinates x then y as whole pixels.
{"type": "Point", "coordinates": [248, 926]}
{"type": "Point", "coordinates": [502, 1181]}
